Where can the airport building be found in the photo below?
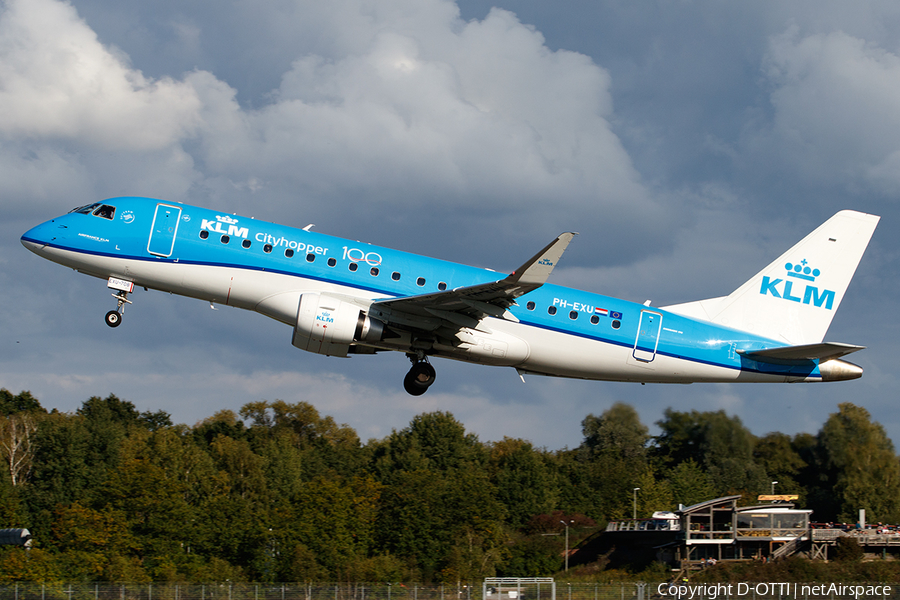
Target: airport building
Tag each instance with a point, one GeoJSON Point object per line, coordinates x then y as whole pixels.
{"type": "Point", "coordinates": [720, 530]}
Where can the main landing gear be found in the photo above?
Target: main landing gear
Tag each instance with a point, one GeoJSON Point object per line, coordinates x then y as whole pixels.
{"type": "Point", "coordinates": [114, 317]}
{"type": "Point", "coordinates": [420, 376]}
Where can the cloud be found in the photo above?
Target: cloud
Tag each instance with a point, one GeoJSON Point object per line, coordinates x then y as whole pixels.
{"type": "Point", "coordinates": [58, 82]}
{"type": "Point", "coordinates": [835, 100]}
{"type": "Point", "coordinates": [447, 113]}
{"type": "Point", "coordinates": [407, 107]}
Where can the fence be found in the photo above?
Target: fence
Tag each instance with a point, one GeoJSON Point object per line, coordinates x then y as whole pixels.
{"type": "Point", "coordinates": [412, 591]}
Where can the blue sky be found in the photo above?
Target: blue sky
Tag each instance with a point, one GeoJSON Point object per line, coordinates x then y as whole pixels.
{"type": "Point", "coordinates": [690, 143]}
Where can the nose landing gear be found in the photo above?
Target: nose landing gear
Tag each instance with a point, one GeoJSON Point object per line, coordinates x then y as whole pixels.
{"type": "Point", "coordinates": [420, 376]}
{"type": "Point", "coordinates": [114, 317]}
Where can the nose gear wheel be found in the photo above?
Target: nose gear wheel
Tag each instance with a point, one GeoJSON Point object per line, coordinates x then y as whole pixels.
{"type": "Point", "coordinates": [114, 317]}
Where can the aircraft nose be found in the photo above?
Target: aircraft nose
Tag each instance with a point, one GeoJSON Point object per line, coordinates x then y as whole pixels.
{"type": "Point", "coordinates": [36, 238]}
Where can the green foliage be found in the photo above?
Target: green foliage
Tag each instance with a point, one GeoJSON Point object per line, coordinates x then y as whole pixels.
{"type": "Point", "coordinates": [280, 492]}
{"type": "Point", "coordinates": [690, 484]}
{"type": "Point", "coordinates": [719, 443]}
{"type": "Point", "coordinates": [847, 549]}
{"type": "Point", "coordinates": [23, 402]}
{"type": "Point", "coordinates": [617, 432]}
{"type": "Point", "coordinates": [862, 463]}
{"type": "Point", "coordinates": [524, 479]}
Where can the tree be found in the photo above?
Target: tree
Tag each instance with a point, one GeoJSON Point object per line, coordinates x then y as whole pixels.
{"type": "Point", "coordinates": [690, 484]}
{"type": "Point", "coordinates": [525, 482]}
{"type": "Point", "coordinates": [63, 470]}
{"type": "Point", "coordinates": [863, 464]}
{"type": "Point", "coordinates": [655, 494]}
{"type": "Point", "coordinates": [432, 441]}
{"type": "Point", "coordinates": [23, 402]}
{"type": "Point", "coordinates": [775, 453]}
{"type": "Point", "coordinates": [715, 441]}
{"type": "Point", "coordinates": [607, 466]}
{"type": "Point", "coordinates": [17, 445]}
{"type": "Point", "coordinates": [617, 432]}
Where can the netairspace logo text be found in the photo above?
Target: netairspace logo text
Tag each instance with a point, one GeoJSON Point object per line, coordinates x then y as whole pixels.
{"type": "Point", "coordinates": [796, 591]}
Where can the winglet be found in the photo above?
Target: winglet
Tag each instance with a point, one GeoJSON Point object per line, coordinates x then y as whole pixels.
{"type": "Point", "coordinates": [536, 271]}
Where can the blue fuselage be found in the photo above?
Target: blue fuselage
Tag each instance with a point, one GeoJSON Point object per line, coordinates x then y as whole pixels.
{"type": "Point", "coordinates": [265, 267]}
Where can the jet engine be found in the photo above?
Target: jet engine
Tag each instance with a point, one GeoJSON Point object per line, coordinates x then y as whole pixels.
{"type": "Point", "coordinates": [326, 325]}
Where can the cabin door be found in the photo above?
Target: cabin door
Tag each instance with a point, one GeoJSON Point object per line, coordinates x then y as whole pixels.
{"type": "Point", "coordinates": [647, 336]}
{"type": "Point", "coordinates": [163, 230]}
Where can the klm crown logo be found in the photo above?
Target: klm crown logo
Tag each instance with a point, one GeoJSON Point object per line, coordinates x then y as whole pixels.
{"type": "Point", "coordinates": [784, 288]}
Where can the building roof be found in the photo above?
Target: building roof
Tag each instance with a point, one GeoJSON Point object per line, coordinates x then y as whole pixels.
{"type": "Point", "coordinates": [701, 505]}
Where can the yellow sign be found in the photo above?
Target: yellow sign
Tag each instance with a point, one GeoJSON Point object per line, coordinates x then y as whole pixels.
{"type": "Point", "coordinates": [778, 497]}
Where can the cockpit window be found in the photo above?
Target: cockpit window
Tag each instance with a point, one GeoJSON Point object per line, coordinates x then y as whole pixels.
{"type": "Point", "coordinates": [105, 210]}
{"type": "Point", "coordinates": [86, 209]}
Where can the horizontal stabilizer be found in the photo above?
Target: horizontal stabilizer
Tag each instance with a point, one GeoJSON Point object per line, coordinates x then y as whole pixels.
{"type": "Point", "coordinates": [807, 352]}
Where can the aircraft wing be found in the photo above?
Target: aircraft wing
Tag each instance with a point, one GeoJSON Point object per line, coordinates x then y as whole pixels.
{"type": "Point", "coordinates": [466, 306]}
{"type": "Point", "coordinates": [808, 352]}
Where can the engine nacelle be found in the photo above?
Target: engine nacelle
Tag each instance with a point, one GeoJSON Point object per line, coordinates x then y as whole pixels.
{"type": "Point", "coordinates": [326, 325]}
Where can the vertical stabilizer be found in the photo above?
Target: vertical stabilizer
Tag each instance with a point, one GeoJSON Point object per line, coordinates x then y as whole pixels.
{"type": "Point", "coordinates": [795, 297]}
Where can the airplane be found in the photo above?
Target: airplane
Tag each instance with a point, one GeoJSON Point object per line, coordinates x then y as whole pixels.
{"type": "Point", "coordinates": [343, 297]}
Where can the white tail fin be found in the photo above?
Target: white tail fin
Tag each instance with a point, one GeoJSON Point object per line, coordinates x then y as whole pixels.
{"type": "Point", "coordinates": [795, 297]}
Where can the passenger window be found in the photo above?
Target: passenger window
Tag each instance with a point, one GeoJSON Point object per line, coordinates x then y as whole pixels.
{"type": "Point", "coordinates": [395, 276]}
{"type": "Point", "coordinates": [309, 257]}
{"type": "Point", "coordinates": [267, 248]}
{"type": "Point", "coordinates": [288, 253]}
{"type": "Point", "coordinates": [595, 319]}
{"type": "Point", "coordinates": [245, 243]}
{"type": "Point", "coordinates": [374, 271]}
{"type": "Point", "coordinates": [551, 310]}
{"type": "Point", "coordinates": [420, 281]}
{"type": "Point", "coordinates": [353, 266]}
{"type": "Point", "coordinates": [331, 262]}
{"type": "Point", "coordinates": [616, 323]}
{"type": "Point", "coordinates": [225, 239]}
{"type": "Point", "coordinates": [530, 305]}
{"type": "Point", "coordinates": [442, 286]}
{"type": "Point", "coordinates": [106, 211]}
{"type": "Point", "coordinates": [204, 234]}
{"type": "Point", "coordinates": [573, 314]}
